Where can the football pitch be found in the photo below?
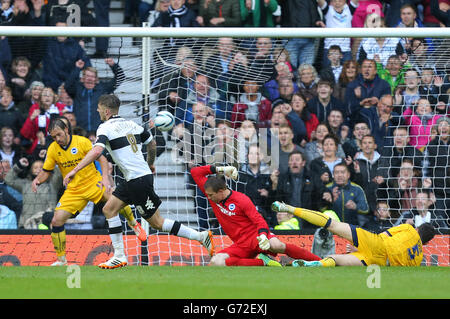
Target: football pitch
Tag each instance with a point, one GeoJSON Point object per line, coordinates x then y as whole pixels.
{"type": "Point", "coordinates": [185, 282]}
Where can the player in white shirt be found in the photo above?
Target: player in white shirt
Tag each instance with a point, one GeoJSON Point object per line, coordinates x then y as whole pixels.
{"type": "Point", "coordinates": [124, 140]}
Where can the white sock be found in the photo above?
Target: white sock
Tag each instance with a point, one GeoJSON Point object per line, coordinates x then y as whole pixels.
{"type": "Point", "coordinates": [115, 233]}
{"type": "Point", "coordinates": [178, 229]}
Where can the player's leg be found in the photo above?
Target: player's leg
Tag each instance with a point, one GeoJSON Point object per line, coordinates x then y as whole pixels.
{"type": "Point", "coordinates": [176, 228]}
{"type": "Point", "coordinates": [58, 235]}
{"type": "Point", "coordinates": [330, 261]}
{"type": "Point", "coordinates": [110, 210]}
{"type": "Point", "coordinates": [127, 212]}
{"type": "Point", "coordinates": [293, 251]}
{"type": "Point", "coordinates": [237, 256]}
{"type": "Point", "coordinates": [147, 202]}
{"type": "Point", "coordinates": [317, 218]}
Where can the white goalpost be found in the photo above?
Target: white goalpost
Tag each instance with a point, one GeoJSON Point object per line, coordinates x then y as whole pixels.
{"type": "Point", "coordinates": [177, 69]}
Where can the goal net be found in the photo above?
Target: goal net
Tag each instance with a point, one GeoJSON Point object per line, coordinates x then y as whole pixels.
{"type": "Point", "coordinates": [252, 98]}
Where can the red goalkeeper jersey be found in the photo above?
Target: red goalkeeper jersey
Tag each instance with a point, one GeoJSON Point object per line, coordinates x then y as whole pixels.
{"type": "Point", "coordinates": [236, 214]}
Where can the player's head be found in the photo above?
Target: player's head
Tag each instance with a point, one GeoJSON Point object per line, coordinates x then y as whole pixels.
{"type": "Point", "coordinates": [216, 188]}
{"type": "Point", "coordinates": [108, 105]}
{"type": "Point", "coordinates": [426, 232]}
{"type": "Point", "coordinates": [60, 130]}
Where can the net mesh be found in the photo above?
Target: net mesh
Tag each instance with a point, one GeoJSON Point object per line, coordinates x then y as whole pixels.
{"type": "Point", "coordinates": [227, 94]}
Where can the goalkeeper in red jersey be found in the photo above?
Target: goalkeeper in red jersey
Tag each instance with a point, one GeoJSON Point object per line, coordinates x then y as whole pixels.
{"type": "Point", "coordinates": [243, 224]}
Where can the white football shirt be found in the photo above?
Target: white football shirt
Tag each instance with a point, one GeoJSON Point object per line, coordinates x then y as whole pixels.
{"type": "Point", "coordinates": [124, 140]}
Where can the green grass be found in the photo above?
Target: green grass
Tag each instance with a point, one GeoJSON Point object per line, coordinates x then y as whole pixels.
{"type": "Point", "coordinates": [164, 282]}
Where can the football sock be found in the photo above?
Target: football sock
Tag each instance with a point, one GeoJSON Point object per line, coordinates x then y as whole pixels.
{"type": "Point", "coordinates": [128, 214]}
{"type": "Point", "coordinates": [299, 253]}
{"type": "Point", "coordinates": [235, 261]}
{"type": "Point", "coordinates": [328, 262]}
{"type": "Point", "coordinates": [178, 229]}
{"type": "Point", "coordinates": [115, 233]}
{"type": "Point", "coordinates": [59, 240]}
{"type": "Point", "coordinates": [313, 217]}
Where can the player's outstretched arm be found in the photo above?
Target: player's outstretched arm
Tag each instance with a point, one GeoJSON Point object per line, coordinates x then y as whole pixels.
{"type": "Point", "coordinates": [90, 157]}
{"type": "Point", "coordinates": [151, 154]}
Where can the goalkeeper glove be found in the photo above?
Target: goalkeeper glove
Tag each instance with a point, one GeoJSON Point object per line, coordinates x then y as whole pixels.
{"type": "Point", "coordinates": [228, 171]}
{"type": "Point", "coordinates": [263, 241]}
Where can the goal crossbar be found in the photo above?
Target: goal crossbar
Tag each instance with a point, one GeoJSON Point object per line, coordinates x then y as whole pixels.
{"type": "Point", "coordinates": [26, 31]}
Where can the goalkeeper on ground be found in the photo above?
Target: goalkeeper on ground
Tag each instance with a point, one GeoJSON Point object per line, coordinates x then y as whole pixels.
{"type": "Point", "coordinates": [397, 246]}
{"type": "Point", "coordinates": [243, 224]}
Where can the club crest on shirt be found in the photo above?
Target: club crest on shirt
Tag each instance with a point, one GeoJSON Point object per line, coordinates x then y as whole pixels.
{"type": "Point", "coordinates": [231, 207]}
{"type": "Point", "coordinates": [74, 150]}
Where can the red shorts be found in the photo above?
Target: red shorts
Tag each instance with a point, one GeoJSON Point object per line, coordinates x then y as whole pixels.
{"type": "Point", "coordinates": [246, 250]}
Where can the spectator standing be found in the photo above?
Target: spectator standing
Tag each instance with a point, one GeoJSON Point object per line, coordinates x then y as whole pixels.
{"type": "Point", "coordinates": [322, 104]}
{"type": "Point", "coordinates": [307, 80]}
{"type": "Point", "coordinates": [32, 96]}
{"type": "Point", "coordinates": [350, 70]}
{"type": "Point", "coordinates": [407, 96]}
{"type": "Point", "coordinates": [287, 146]}
{"type": "Point", "coordinates": [220, 13]}
{"type": "Point", "coordinates": [9, 198]}
{"type": "Point", "coordinates": [392, 156]}
{"type": "Point", "coordinates": [393, 72]}
{"type": "Point", "coordinates": [314, 149]}
{"type": "Point", "coordinates": [9, 114]}
{"type": "Point", "coordinates": [9, 151]}
{"type": "Point", "coordinates": [257, 14]}
{"type": "Point", "coordinates": [420, 120]}
{"type": "Point", "coordinates": [85, 91]}
{"type": "Point", "coordinates": [366, 89]}
{"type": "Point", "coordinates": [35, 128]}
{"type": "Point", "coordinates": [44, 199]}
{"type": "Point", "coordinates": [382, 121]}
{"type": "Point", "coordinates": [59, 61]}
{"type": "Point", "coordinates": [299, 108]}
{"type": "Point", "coordinates": [345, 198]}
{"type": "Point", "coordinates": [21, 77]}
{"type": "Point", "coordinates": [300, 14]}
{"type": "Point", "coordinates": [178, 15]}
{"type": "Point", "coordinates": [366, 171]}
{"type": "Point", "coordinates": [101, 9]}
{"type": "Point", "coordinates": [352, 146]}
{"type": "Point", "coordinates": [252, 106]}
{"type": "Point", "coordinates": [272, 87]}
{"type": "Point", "coordinates": [254, 180]}
{"type": "Point", "coordinates": [28, 13]}
{"type": "Point", "coordinates": [203, 92]}
{"type": "Point", "coordinates": [297, 185]}
{"type": "Point", "coordinates": [322, 167]}
{"type": "Point", "coordinates": [393, 11]}
{"type": "Point", "coordinates": [338, 14]}
{"type": "Point", "coordinates": [421, 213]}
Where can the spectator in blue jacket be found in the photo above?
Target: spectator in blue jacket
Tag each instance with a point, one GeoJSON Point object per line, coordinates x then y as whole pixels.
{"type": "Point", "coordinates": [382, 121]}
{"type": "Point", "coordinates": [59, 60]}
{"type": "Point", "coordinates": [86, 91]}
{"type": "Point", "coordinates": [365, 90]}
{"type": "Point", "coordinates": [347, 199]}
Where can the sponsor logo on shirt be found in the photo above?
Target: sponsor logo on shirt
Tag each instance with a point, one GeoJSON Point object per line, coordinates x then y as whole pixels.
{"type": "Point", "coordinates": [225, 211]}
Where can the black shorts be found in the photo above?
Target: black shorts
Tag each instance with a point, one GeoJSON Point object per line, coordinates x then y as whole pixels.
{"type": "Point", "coordinates": [140, 193]}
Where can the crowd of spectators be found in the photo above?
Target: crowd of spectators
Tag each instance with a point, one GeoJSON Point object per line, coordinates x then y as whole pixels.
{"type": "Point", "coordinates": [40, 80]}
{"type": "Point", "coordinates": [361, 125]}
{"type": "Point", "coordinates": [337, 108]}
